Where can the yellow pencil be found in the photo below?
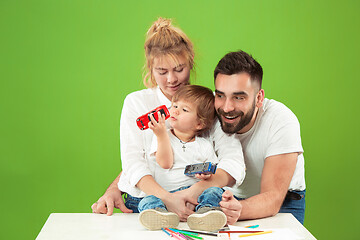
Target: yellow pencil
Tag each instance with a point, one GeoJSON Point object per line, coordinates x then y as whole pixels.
{"type": "Point", "coordinates": [253, 234]}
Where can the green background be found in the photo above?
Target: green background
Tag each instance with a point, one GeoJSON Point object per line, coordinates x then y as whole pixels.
{"type": "Point", "coordinates": [66, 67]}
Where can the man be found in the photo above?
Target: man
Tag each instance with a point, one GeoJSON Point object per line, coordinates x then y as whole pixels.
{"type": "Point", "coordinates": [270, 135]}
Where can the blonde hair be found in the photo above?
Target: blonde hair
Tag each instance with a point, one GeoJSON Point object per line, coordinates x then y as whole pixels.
{"type": "Point", "coordinates": [165, 40]}
{"type": "Point", "coordinates": [203, 99]}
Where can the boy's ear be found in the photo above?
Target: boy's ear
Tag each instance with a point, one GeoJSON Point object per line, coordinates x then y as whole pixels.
{"type": "Point", "coordinates": [200, 125]}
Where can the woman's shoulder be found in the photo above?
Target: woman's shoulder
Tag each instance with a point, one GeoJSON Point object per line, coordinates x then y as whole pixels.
{"type": "Point", "coordinates": [144, 95]}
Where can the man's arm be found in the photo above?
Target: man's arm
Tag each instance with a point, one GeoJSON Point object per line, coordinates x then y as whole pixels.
{"type": "Point", "coordinates": [112, 197]}
{"type": "Point", "coordinates": [275, 180]}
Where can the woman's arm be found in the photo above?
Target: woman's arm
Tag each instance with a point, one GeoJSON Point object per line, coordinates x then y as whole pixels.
{"type": "Point", "coordinates": [111, 198]}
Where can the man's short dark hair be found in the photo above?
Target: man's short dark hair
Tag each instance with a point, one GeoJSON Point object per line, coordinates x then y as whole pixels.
{"type": "Point", "coordinates": [238, 62]}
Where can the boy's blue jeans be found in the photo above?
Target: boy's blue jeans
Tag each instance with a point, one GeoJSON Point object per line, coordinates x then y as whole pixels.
{"type": "Point", "coordinates": [209, 198]}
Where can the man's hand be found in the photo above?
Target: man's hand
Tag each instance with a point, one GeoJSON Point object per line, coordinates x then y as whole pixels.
{"type": "Point", "coordinates": [231, 207]}
{"type": "Point", "coordinates": [181, 204]}
{"type": "Point", "coordinates": [111, 198]}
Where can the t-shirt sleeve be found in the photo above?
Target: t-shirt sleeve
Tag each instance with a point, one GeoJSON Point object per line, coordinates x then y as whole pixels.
{"type": "Point", "coordinates": [229, 152]}
{"type": "Point", "coordinates": [284, 135]}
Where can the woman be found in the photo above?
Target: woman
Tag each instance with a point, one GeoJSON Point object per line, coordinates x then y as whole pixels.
{"type": "Point", "coordinates": [169, 61]}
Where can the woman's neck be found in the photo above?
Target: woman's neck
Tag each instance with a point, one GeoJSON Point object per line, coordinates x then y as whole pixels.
{"type": "Point", "coordinates": [183, 136]}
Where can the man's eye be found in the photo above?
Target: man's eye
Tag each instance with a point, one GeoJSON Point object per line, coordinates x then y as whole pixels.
{"type": "Point", "coordinates": [239, 98]}
{"type": "Point", "coordinates": [218, 96]}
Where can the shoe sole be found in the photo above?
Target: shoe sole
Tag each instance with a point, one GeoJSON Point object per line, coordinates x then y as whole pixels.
{"type": "Point", "coordinates": [209, 221]}
{"type": "Point", "coordinates": [155, 220]}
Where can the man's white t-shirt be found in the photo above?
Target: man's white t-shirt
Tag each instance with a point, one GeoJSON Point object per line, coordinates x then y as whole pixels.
{"type": "Point", "coordinates": [275, 131]}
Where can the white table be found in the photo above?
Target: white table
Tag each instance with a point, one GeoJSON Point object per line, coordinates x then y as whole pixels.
{"type": "Point", "coordinates": [122, 226]}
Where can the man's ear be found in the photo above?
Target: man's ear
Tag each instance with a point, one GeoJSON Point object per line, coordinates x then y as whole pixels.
{"type": "Point", "coordinates": [260, 96]}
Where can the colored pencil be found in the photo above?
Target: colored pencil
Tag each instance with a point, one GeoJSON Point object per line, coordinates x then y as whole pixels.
{"type": "Point", "coordinates": [183, 231]}
{"type": "Point", "coordinates": [200, 232]}
{"type": "Point", "coordinates": [240, 231]}
{"type": "Point", "coordinates": [166, 232]}
{"type": "Point", "coordinates": [253, 234]}
{"type": "Point", "coordinates": [252, 226]}
{"type": "Point", "coordinates": [190, 234]}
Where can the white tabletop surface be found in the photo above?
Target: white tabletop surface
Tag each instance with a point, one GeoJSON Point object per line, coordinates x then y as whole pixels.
{"type": "Point", "coordinates": [126, 226]}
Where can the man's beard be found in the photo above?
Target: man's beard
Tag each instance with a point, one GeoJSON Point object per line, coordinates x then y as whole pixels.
{"type": "Point", "coordinates": [233, 127]}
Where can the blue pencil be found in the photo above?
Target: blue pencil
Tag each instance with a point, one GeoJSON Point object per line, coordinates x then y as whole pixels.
{"type": "Point", "coordinates": [166, 232]}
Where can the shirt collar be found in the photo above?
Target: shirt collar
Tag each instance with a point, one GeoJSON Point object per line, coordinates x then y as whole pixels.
{"type": "Point", "coordinates": [163, 99]}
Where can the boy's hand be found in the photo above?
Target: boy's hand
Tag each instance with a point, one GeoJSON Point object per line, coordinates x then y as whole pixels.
{"type": "Point", "coordinates": [158, 127]}
{"type": "Point", "coordinates": [181, 204]}
{"type": "Point", "coordinates": [231, 207]}
{"type": "Point", "coordinates": [203, 176]}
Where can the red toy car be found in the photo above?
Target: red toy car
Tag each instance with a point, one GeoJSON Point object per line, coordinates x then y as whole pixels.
{"type": "Point", "coordinates": [144, 120]}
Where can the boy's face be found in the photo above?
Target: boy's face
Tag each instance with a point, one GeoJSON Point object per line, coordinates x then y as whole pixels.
{"type": "Point", "coordinates": [183, 117]}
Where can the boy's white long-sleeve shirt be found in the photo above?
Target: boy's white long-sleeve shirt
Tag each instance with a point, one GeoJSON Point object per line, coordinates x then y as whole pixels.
{"type": "Point", "coordinates": [136, 143]}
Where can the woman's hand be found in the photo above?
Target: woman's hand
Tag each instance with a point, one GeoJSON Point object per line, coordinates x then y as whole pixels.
{"type": "Point", "coordinates": [231, 207]}
{"type": "Point", "coordinates": [111, 198]}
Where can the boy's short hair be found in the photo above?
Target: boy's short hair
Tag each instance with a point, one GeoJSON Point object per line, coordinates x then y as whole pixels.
{"type": "Point", "coordinates": [203, 98]}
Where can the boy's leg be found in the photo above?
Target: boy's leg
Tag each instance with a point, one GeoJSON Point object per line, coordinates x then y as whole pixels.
{"type": "Point", "coordinates": [151, 202]}
{"type": "Point", "coordinates": [132, 202]}
{"type": "Point", "coordinates": [154, 216]}
{"type": "Point", "coordinates": [211, 197]}
{"type": "Point", "coordinates": [208, 216]}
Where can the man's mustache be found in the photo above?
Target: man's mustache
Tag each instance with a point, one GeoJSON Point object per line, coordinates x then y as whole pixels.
{"type": "Point", "coordinates": [229, 114]}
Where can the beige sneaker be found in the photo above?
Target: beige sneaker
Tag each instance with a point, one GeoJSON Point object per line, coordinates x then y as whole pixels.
{"type": "Point", "coordinates": [156, 219]}
{"type": "Point", "coordinates": [207, 219]}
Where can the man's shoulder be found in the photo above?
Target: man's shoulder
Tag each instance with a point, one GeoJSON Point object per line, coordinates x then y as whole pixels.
{"type": "Point", "coordinates": [275, 109]}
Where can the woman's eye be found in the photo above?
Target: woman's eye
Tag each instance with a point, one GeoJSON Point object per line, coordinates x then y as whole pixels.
{"type": "Point", "coordinates": [185, 110]}
{"type": "Point", "coordinates": [179, 70]}
{"type": "Point", "coordinates": [162, 73]}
